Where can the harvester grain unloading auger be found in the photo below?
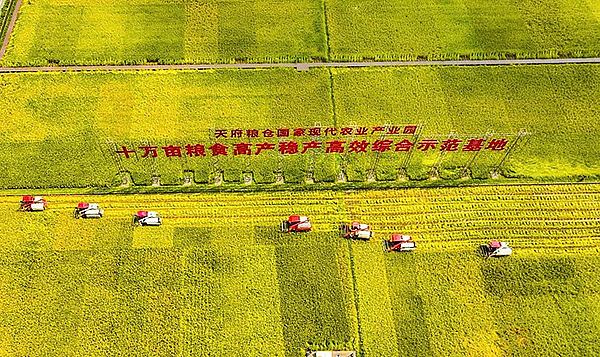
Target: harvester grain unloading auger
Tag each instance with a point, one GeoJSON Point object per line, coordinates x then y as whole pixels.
{"type": "Point", "coordinates": [88, 210]}
{"type": "Point", "coordinates": [33, 203]}
{"type": "Point", "coordinates": [296, 224]}
{"type": "Point", "coordinates": [356, 230]}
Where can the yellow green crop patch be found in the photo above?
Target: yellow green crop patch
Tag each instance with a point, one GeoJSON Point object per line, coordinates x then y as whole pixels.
{"type": "Point", "coordinates": [112, 32]}
{"type": "Point", "coordinates": [192, 31]}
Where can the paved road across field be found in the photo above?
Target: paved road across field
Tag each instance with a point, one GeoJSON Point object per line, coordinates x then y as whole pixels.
{"type": "Point", "coordinates": [302, 66]}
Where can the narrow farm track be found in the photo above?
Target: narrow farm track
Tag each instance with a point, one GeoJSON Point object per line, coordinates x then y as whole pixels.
{"type": "Point", "coordinates": [301, 66]}
{"type": "Point", "coordinates": [552, 216]}
{"type": "Point", "coordinates": [11, 26]}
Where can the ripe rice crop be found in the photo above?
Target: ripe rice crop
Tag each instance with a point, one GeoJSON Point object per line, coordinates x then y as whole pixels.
{"type": "Point", "coordinates": [216, 31]}
{"type": "Point", "coordinates": [63, 129]}
{"type": "Point", "coordinates": [471, 29]}
{"type": "Point", "coordinates": [166, 31]}
{"type": "Point", "coordinates": [217, 278]}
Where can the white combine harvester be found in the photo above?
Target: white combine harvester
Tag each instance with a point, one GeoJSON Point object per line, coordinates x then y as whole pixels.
{"type": "Point", "coordinates": [33, 203]}
{"type": "Point", "coordinates": [88, 210]}
{"type": "Point", "coordinates": [497, 249]}
{"type": "Point", "coordinates": [400, 243]}
{"type": "Point", "coordinates": [357, 230]}
{"type": "Point", "coordinates": [310, 353]}
{"type": "Point", "coordinates": [145, 218]}
{"type": "Point", "coordinates": [296, 224]}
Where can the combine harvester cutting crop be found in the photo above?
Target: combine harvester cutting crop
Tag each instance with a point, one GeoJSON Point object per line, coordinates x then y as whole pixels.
{"type": "Point", "coordinates": [400, 243]}
{"type": "Point", "coordinates": [296, 224]}
{"type": "Point", "coordinates": [33, 203]}
{"type": "Point", "coordinates": [357, 230]}
{"type": "Point", "coordinates": [310, 353]}
{"type": "Point", "coordinates": [145, 218]}
{"type": "Point", "coordinates": [496, 249]}
{"type": "Point", "coordinates": [88, 210]}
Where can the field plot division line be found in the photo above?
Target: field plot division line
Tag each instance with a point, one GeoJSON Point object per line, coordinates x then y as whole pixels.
{"type": "Point", "coordinates": [355, 295]}
{"type": "Point", "coordinates": [299, 66]}
{"type": "Point", "coordinates": [11, 26]}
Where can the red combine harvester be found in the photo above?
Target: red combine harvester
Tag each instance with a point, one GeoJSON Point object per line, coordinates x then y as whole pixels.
{"type": "Point", "coordinates": [357, 231]}
{"type": "Point", "coordinates": [400, 243]}
{"type": "Point", "coordinates": [296, 224]}
{"type": "Point", "coordinates": [33, 203]}
{"type": "Point", "coordinates": [146, 218]}
{"type": "Point", "coordinates": [88, 210]}
{"type": "Point", "coordinates": [496, 249]}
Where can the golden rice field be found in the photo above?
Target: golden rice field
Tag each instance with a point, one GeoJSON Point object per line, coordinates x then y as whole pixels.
{"type": "Point", "coordinates": [217, 278]}
{"type": "Point", "coordinates": [68, 127]}
{"type": "Point", "coordinates": [214, 31]}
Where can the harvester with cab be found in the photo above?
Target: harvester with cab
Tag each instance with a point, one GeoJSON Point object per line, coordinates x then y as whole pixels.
{"type": "Point", "coordinates": [88, 210]}
{"type": "Point", "coordinates": [310, 353]}
{"type": "Point", "coordinates": [146, 218]}
{"type": "Point", "coordinates": [400, 243]}
{"type": "Point", "coordinates": [33, 203]}
{"type": "Point", "coordinates": [496, 249]}
{"type": "Point", "coordinates": [357, 230]}
{"type": "Point", "coordinates": [296, 224]}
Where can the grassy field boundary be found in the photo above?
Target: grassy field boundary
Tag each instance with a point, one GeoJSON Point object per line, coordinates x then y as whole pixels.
{"type": "Point", "coordinates": [326, 26]}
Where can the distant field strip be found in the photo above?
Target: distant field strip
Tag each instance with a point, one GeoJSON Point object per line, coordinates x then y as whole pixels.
{"type": "Point", "coordinates": [401, 29]}
{"type": "Point", "coordinates": [181, 31]}
{"type": "Point", "coordinates": [68, 32]}
{"type": "Point", "coordinates": [217, 278]}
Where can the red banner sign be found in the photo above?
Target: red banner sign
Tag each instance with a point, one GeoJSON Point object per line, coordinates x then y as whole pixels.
{"type": "Point", "coordinates": [330, 146]}
{"type": "Point", "coordinates": [329, 139]}
{"type": "Point", "coordinates": [314, 131]}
